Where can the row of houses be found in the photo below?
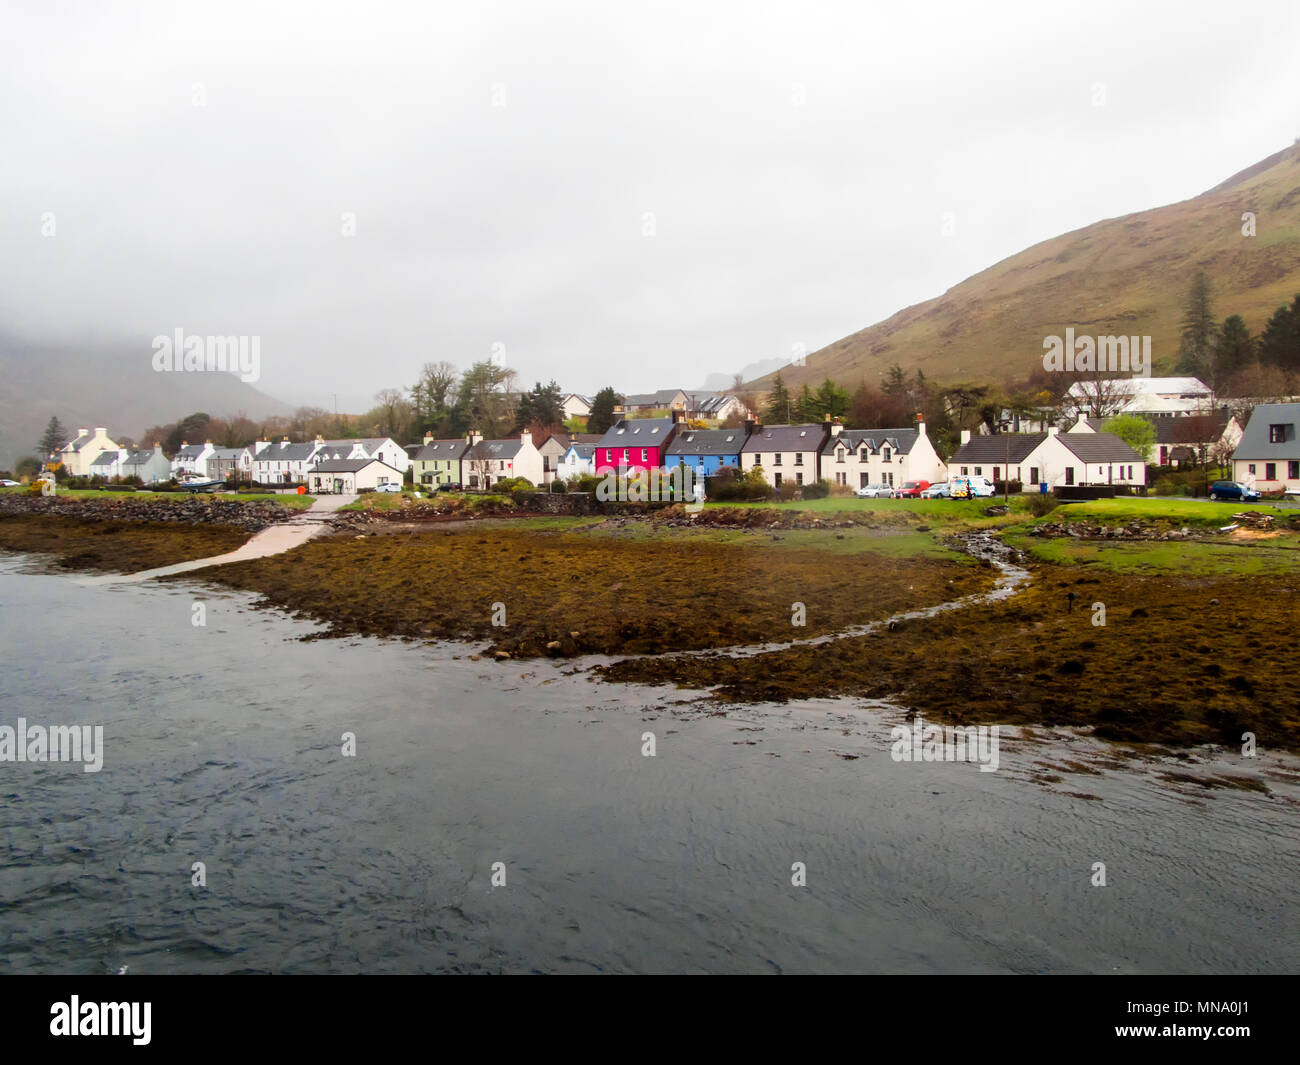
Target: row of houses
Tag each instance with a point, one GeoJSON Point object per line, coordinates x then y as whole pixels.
{"type": "Point", "coordinates": [1267, 456]}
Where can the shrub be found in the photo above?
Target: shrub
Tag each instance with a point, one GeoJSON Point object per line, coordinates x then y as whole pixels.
{"type": "Point", "coordinates": [1043, 504]}
{"type": "Point", "coordinates": [1000, 489]}
{"type": "Point", "coordinates": [817, 490]}
{"type": "Point", "coordinates": [557, 486]}
{"type": "Point", "coordinates": [586, 482]}
{"type": "Point", "coordinates": [787, 491]}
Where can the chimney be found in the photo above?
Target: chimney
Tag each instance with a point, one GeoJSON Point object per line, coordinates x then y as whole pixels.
{"type": "Point", "coordinates": [526, 437]}
{"type": "Point", "coordinates": [618, 412]}
{"type": "Point", "coordinates": [320, 439]}
{"type": "Point", "coordinates": [1053, 430]}
{"type": "Point", "coordinates": [81, 433]}
{"type": "Point", "coordinates": [475, 437]}
{"type": "Point", "coordinates": [185, 443]}
{"type": "Point", "coordinates": [965, 437]}
{"type": "Point", "coordinates": [679, 416]}
{"type": "Point", "coordinates": [920, 425]}
{"type": "Point", "coordinates": [100, 430]}
{"type": "Point", "coordinates": [836, 428]}
{"type": "Point", "coordinates": [428, 438]}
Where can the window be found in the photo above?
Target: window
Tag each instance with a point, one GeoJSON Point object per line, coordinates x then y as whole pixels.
{"type": "Point", "coordinates": [776, 461]}
{"type": "Point", "coordinates": [839, 454]}
{"type": "Point", "coordinates": [996, 475]}
{"type": "Point", "coordinates": [889, 479]}
{"type": "Point", "coordinates": [798, 458]}
{"type": "Point", "coordinates": [776, 479]}
{"type": "Point", "coordinates": [979, 471]}
{"type": "Point", "coordinates": [863, 455]}
{"type": "Point", "coordinates": [840, 478]}
{"type": "Point", "coordinates": [1251, 467]}
{"type": "Point", "coordinates": [887, 454]}
{"type": "Point", "coordinates": [1292, 470]}
{"type": "Point", "coordinates": [863, 480]}
{"type": "Point", "coordinates": [1069, 475]}
{"type": "Point", "coordinates": [1277, 434]}
{"type": "Point", "coordinates": [625, 458]}
{"type": "Point", "coordinates": [643, 454]}
{"type": "Point", "coordinates": [965, 471]}
{"type": "Point", "coordinates": [798, 478]}
{"type": "Point", "coordinates": [1270, 471]}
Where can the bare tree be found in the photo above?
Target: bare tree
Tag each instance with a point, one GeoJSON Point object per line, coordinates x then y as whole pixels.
{"type": "Point", "coordinates": [1098, 395]}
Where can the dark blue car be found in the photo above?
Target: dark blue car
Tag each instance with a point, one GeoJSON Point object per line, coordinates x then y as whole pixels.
{"type": "Point", "coordinates": [1231, 490]}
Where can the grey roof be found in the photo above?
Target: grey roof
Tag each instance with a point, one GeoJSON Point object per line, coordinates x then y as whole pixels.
{"type": "Point", "coordinates": [80, 442]}
{"type": "Point", "coordinates": [637, 432]}
{"type": "Point", "coordinates": [287, 453]}
{"type": "Point", "coordinates": [227, 452]}
{"type": "Point", "coordinates": [786, 438]}
{"type": "Point", "coordinates": [585, 451]}
{"type": "Point", "coordinates": [707, 442]}
{"type": "Point", "coordinates": [662, 398]}
{"type": "Point", "coordinates": [494, 449]}
{"type": "Point", "coordinates": [1255, 443]}
{"type": "Point", "coordinates": [140, 456]}
{"type": "Point", "coordinates": [900, 440]}
{"type": "Point", "coordinates": [994, 447]}
{"type": "Point", "coordinates": [191, 451]}
{"type": "Point", "coordinates": [442, 449]}
{"type": "Point", "coordinates": [105, 458]}
{"type": "Point", "coordinates": [1099, 447]}
{"type": "Point", "coordinates": [346, 465]}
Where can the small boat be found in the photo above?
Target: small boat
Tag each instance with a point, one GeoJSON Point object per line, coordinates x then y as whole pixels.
{"type": "Point", "coordinates": [202, 484]}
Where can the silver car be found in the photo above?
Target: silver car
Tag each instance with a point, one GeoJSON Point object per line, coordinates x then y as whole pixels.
{"type": "Point", "coordinates": [874, 491]}
{"type": "Point", "coordinates": [937, 491]}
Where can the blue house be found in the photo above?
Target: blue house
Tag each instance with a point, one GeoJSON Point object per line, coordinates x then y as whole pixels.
{"type": "Point", "coordinates": [705, 451]}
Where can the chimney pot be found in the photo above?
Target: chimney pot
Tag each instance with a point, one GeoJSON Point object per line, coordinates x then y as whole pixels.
{"type": "Point", "coordinates": [965, 436]}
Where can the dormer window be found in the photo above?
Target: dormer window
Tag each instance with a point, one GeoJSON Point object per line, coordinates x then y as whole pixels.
{"type": "Point", "coordinates": [864, 455]}
{"type": "Point", "coordinates": [887, 454]}
{"type": "Point", "coordinates": [1277, 434]}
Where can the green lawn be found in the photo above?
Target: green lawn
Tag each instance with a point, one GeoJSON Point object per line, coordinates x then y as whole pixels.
{"type": "Point", "coordinates": [1173, 556]}
{"type": "Point", "coordinates": [1153, 509]}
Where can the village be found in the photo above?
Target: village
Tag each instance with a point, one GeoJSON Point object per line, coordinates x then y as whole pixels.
{"type": "Point", "coordinates": [657, 432]}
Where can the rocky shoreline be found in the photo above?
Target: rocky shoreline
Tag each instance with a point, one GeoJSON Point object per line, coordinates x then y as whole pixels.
{"type": "Point", "coordinates": [186, 509]}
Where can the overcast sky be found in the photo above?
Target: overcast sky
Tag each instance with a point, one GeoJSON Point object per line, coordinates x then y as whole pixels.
{"type": "Point", "coordinates": [635, 194]}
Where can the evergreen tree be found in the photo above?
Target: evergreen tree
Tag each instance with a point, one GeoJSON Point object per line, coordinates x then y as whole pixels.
{"type": "Point", "coordinates": [1199, 330]}
{"type": "Point", "coordinates": [805, 407]}
{"type": "Point", "coordinates": [54, 437]}
{"type": "Point", "coordinates": [1280, 343]}
{"type": "Point", "coordinates": [830, 399]}
{"type": "Point", "coordinates": [1233, 351]}
{"type": "Point", "coordinates": [602, 410]}
{"type": "Point", "coordinates": [779, 409]}
{"type": "Point", "coordinates": [544, 405]}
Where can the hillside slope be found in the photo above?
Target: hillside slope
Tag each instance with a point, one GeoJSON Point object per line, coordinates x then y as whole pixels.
{"type": "Point", "coordinates": [119, 390]}
{"type": "Point", "coordinates": [1124, 275]}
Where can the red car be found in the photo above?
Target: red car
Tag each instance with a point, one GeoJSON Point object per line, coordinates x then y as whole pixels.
{"type": "Point", "coordinates": [911, 489]}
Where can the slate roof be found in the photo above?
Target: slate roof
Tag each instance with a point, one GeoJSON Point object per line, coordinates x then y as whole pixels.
{"type": "Point", "coordinates": [994, 447]}
{"type": "Point", "coordinates": [900, 440]}
{"type": "Point", "coordinates": [707, 442]}
{"type": "Point", "coordinates": [663, 398]}
{"type": "Point", "coordinates": [494, 449]}
{"type": "Point", "coordinates": [191, 451]}
{"type": "Point", "coordinates": [786, 438]}
{"type": "Point", "coordinates": [140, 457]}
{"type": "Point", "coordinates": [1099, 447]}
{"type": "Point", "coordinates": [1175, 430]}
{"type": "Point", "coordinates": [105, 458]}
{"type": "Point", "coordinates": [346, 465]}
{"type": "Point", "coordinates": [1255, 443]}
{"type": "Point", "coordinates": [287, 453]}
{"type": "Point", "coordinates": [445, 450]}
{"type": "Point", "coordinates": [585, 451]}
{"type": "Point", "coordinates": [637, 432]}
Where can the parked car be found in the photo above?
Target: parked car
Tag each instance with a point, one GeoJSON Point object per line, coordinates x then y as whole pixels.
{"type": "Point", "coordinates": [911, 489]}
{"type": "Point", "coordinates": [874, 491]}
{"type": "Point", "coordinates": [6, 483]}
{"type": "Point", "coordinates": [389, 486]}
{"type": "Point", "coordinates": [941, 490]}
{"type": "Point", "coordinates": [1233, 490]}
{"type": "Point", "coordinates": [448, 488]}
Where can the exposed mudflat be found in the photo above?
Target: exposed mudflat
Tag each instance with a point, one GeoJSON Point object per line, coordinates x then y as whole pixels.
{"type": "Point", "coordinates": [592, 593]}
{"type": "Point", "coordinates": [116, 546]}
{"type": "Point", "coordinates": [1170, 665]}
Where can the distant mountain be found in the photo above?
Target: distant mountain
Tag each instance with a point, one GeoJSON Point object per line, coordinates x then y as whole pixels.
{"type": "Point", "coordinates": [719, 382]}
{"type": "Point", "coordinates": [114, 388]}
{"type": "Point", "coordinates": [1125, 276]}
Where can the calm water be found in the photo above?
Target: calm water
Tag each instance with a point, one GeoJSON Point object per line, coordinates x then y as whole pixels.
{"type": "Point", "coordinates": [222, 745]}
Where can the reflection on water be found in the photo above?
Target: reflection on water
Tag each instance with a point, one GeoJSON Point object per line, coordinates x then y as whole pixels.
{"type": "Point", "coordinates": [222, 746]}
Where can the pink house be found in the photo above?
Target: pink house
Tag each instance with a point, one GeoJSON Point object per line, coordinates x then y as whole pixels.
{"type": "Point", "coordinates": [636, 443]}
